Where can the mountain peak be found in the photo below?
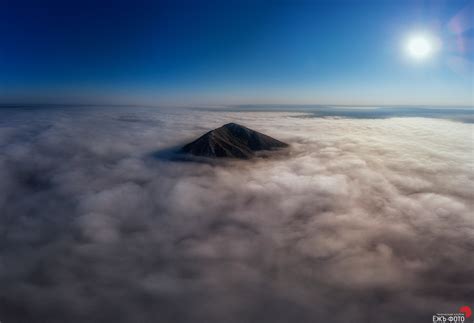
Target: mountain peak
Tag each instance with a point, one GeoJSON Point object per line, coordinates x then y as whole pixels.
{"type": "Point", "coordinates": [232, 141]}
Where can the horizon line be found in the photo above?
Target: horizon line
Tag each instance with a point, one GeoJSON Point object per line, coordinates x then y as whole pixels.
{"type": "Point", "coordinates": [286, 105]}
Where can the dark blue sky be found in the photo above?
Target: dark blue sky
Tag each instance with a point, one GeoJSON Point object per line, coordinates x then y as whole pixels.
{"type": "Point", "coordinates": [232, 52]}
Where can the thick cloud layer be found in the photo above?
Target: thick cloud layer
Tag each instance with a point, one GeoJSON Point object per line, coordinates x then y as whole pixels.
{"type": "Point", "coordinates": [361, 220]}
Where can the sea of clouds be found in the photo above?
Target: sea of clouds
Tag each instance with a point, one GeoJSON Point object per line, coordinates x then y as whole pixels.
{"type": "Point", "coordinates": [361, 220]}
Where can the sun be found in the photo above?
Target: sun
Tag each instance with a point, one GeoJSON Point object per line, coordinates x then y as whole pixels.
{"type": "Point", "coordinates": [421, 46]}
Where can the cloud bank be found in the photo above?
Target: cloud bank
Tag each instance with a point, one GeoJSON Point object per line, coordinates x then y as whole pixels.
{"type": "Point", "coordinates": [363, 221]}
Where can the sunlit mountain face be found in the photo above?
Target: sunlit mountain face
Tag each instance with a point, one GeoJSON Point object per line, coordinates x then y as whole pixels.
{"type": "Point", "coordinates": [362, 220]}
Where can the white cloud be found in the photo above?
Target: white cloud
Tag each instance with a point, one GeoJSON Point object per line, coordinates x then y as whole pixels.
{"type": "Point", "coordinates": [362, 219]}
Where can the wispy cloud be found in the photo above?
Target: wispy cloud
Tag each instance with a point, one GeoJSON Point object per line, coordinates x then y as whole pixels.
{"type": "Point", "coordinates": [364, 220]}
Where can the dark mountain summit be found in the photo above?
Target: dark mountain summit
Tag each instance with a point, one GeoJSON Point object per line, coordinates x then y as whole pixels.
{"type": "Point", "coordinates": [232, 141]}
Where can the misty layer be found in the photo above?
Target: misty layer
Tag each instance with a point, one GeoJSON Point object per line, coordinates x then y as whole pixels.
{"type": "Point", "coordinates": [363, 220]}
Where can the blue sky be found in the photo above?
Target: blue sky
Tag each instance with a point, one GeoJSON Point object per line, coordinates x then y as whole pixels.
{"type": "Point", "coordinates": [234, 52]}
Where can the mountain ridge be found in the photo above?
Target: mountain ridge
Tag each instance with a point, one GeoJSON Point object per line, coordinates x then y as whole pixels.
{"type": "Point", "coordinates": [232, 141]}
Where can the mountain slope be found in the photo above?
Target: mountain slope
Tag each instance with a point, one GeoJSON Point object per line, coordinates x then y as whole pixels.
{"type": "Point", "coordinates": [232, 141]}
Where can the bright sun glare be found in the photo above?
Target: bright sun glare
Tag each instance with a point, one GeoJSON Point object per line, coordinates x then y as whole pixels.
{"type": "Point", "coordinates": [421, 46]}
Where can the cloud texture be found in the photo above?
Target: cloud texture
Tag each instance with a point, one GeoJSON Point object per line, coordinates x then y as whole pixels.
{"type": "Point", "coordinates": [362, 221]}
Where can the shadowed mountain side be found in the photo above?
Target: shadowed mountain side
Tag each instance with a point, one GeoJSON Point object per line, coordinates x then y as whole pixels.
{"type": "Point", "coordinates": [232, 141]}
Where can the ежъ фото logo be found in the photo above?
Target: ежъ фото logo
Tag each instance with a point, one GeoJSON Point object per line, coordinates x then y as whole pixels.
{"type": "Point", "coordinates": [463, 313]}
{"type": "Point", "coordinates": [466, 310]}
